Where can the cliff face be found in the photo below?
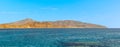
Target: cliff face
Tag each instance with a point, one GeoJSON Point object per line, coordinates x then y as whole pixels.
{"type": "Point", "coordinates": [29, 23]}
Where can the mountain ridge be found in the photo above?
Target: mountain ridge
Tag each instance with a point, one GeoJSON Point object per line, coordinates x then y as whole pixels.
{"type": "Point", "coordinates": [30, 23]}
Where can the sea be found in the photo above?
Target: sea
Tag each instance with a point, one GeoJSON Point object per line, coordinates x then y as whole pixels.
{"type": "Point", "coordinates": [60, 37]}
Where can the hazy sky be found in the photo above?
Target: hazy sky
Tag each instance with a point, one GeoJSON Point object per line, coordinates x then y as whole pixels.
{"type": "Point", "coordinates": [103, 12]}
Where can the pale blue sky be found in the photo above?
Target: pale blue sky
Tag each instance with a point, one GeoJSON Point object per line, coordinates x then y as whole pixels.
{"type": "Point", "coordinates": [103, 12]}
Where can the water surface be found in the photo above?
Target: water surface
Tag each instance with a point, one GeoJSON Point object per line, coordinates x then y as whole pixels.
{"type": "Point", "coordinates": [60, 37]}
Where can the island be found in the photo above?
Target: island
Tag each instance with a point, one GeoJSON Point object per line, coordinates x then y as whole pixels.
{"type": "Point", "coordinates": [30, 23]}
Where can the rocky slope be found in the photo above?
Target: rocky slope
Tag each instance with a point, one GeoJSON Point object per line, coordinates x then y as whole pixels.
{"type": "Point", "coordinates": [29, 23]}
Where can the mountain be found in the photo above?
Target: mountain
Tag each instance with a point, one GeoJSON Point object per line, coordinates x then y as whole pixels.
{"type": "Point", "coordinates": [30, 23]}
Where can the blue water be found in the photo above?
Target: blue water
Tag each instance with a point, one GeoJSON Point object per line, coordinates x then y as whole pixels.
{"type": "Point", "coordinates": [59, 37]}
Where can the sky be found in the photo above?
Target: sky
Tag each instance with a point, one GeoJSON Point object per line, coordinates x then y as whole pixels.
{"type": "Point", "coordinates": [103, 12]}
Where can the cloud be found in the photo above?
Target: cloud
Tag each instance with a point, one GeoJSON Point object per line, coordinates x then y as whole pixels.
{"type": "Point", "coordinates": [49, 8]}
{"type": "Point", "coordinates": [8, 12]}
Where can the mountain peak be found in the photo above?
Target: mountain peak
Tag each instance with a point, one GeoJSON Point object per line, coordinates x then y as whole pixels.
{"type": "Point", "coordinates": [24, 21]}
{"type": "Point", "coordinates": [28, 19]}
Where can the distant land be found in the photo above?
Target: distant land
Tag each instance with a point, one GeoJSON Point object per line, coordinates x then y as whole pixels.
{"type": "Point", "coordinates": [30, 23]}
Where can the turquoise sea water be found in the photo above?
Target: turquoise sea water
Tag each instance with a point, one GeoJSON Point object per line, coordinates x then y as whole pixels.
{"type": "Point", "coordinates": [60, 37]}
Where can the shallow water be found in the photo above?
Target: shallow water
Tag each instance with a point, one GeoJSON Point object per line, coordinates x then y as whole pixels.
{"type": "Point", "coordinates": [60, 37]}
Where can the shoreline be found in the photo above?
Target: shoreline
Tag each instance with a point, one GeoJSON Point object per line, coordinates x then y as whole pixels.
{"type": "Point", "coordinates": [59, 28]}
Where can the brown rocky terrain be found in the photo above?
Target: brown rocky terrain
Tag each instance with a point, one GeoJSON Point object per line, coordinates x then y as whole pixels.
{"type": "Point", "coordinates": [29, 23]}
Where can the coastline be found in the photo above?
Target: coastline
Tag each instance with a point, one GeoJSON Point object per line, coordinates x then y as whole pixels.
{"type": "Point", "coordinates": [58, 28]}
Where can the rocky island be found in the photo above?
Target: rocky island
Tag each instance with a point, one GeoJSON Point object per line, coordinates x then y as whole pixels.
{"type": "Point", "coordinates": [29, 23]}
